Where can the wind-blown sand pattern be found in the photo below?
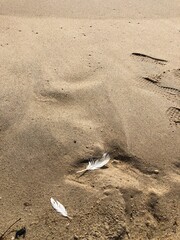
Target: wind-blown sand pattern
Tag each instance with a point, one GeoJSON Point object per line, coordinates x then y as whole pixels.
{"type": "Point", "coordinates": [71, 89]}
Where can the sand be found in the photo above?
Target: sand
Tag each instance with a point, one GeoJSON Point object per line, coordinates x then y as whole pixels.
{"type": "Point", "coordinates": [71, 89]}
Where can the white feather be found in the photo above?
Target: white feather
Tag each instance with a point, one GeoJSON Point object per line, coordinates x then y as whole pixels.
{"type": "Point", "coordinates": [59, 207]}
{"type": "Point", "coordinates": [93, 165]}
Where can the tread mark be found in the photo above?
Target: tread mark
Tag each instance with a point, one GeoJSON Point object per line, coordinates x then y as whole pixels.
{"type": "Point", "coordinates": [174, 115]}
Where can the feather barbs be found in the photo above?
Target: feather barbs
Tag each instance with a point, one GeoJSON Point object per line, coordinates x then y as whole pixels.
{"type": "Point", "coordinates": [99, 163]}
{"type": "Point", "coordinates": [59, 208]}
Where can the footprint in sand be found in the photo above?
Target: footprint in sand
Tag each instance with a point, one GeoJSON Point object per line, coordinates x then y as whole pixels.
{"type": "Point", "coordinates": [164, 85]}
{"type": "Point", "coordinates": [167, 83]}
{"type": "Point", "coordinates": [173, 114]}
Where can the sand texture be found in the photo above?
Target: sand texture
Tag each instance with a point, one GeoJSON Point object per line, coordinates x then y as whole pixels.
{"type": "Point", "coordinates": [79, 78]}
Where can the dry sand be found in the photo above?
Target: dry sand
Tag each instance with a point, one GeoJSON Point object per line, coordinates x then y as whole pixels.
{"type": "Point", "coordinates": [71, 90]}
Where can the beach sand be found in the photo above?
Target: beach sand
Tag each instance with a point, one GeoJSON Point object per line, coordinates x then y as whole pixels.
{"type": "Point", "coordinates": [79, 78]}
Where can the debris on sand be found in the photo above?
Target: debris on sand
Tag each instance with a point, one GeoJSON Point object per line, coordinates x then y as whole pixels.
{"type": "Point", "coordinates": [5, 232]}
{"type": "Point", "coordinates": [21, 232]}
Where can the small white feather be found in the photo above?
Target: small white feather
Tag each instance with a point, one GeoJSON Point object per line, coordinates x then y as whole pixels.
{"type": "Point", "coordinates": [99, 163]}
{"type": "Point", "coordinates": [59, 207]}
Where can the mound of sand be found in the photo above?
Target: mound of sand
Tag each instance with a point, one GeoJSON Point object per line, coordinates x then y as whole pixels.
{"type": "Point", "coordinates": [71, 89]}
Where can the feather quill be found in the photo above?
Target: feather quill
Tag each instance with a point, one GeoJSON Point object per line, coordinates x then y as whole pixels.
{"type": "Point", "coordinates": [59, 208]}
{"type": "Point", "coordinates": [99, 163]}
